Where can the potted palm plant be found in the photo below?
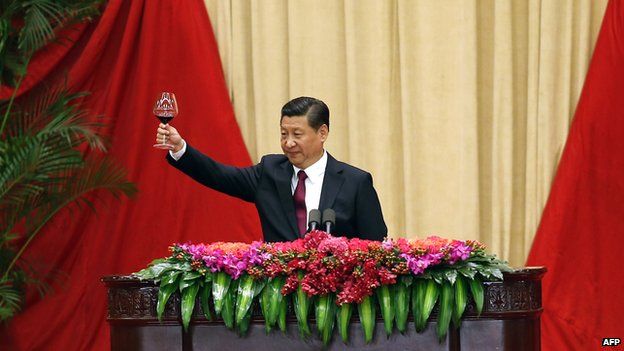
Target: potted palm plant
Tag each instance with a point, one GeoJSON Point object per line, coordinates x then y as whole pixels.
{"type": "Point", "coordinates": [43, 166]}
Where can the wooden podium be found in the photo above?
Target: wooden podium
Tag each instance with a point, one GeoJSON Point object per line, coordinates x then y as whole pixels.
{"type": "Point", "coordinates": [510, 321]}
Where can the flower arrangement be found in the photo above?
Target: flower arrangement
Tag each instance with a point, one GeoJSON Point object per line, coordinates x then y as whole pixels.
{"type": "Point", "coordinates": [333, 274]}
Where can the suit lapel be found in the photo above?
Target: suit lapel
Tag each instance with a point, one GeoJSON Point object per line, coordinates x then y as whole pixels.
{"type": "Point", "coordinates": [331, 183]}
{"type": "Point", "coordinates": [283, 177]}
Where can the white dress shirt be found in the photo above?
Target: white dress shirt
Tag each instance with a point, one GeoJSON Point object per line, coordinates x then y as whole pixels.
{"type": "Point", "coordinates": [313, 183]}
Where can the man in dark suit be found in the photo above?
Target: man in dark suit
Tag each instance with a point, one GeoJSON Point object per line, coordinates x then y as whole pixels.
{"type": "Point", "coordinates": [285, 187]}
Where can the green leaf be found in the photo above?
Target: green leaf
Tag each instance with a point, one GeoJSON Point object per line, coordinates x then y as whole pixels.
{"type": "Point", "coordinates": [302, 303]}
{"type": "Point", "coordinates": [188, 303]}
{"type": "Point", "coordinates": [461, 299]}
{"type": "Point", "coordinates": [204, 298]}
{"type": "Point", "coordinates": [496, 272]}
{"type": "Point", "coordinates": [39, 21]}
{"type": "Point", "coordinates": [265, 298]}
{"type": "Point", "coordinates": [467, 271]}
{"type": "Point", "coordinates": [243, 325]}
{"type": "Point", "coordinates": [189, 279]}
{"type": "Point", "coordinates": [325, 316]}
{"type": "Point", "coordinates": [366, 311]}
{"type": "Point", "coordinates": [281, 319]}
{"type": "Point", "coordinates": [153, 270]}
{"type": "Point", "coordinates": [402, 304]}
{"type": "Point", "coordinates": [244, 297]}
{"type": "Point", "coordinates": [424, 297]}
{"type": "Point", "coordinates": [164, 293]}
{"type": "Point", "coordinates": [10, 301]}
{"type": "Point", "coordinates": [385, 296]}
{"type": "Point", "coordinates": [343, 317]}
{"type": "Point", "coordinates": [229, 303]}
{"type": "Point", "coordinates": [191, 275]}
{"type": "Point", "coordinates": [220, 285]}
{"type": "Point", "coordinates": [451, 275]}
{"type": "Point", "coordinates": [272, 299]}
{"type": "Point", "coordinates": [145, 274]}
{"type": "Point", "coordinates": [446, 310]}
{"type": "Point", "coordinates": [170, 278]}
{"type": "Point", "coordinates": [476, 288]}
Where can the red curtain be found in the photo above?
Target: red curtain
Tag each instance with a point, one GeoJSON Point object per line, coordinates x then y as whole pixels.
{"type": "Point", "coordinates": [582, 229]}
{"type": "Point", "coordinates": [135, 50]}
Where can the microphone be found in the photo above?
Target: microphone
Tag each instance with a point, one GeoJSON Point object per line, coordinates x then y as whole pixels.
{"type": "Point", "coordinates": [314, 222]}
{"type": "Point", "coordinates": [329, 219]}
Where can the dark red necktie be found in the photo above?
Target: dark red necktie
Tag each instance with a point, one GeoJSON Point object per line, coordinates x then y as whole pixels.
{"type": "Point", "coordinates": [300, 205]}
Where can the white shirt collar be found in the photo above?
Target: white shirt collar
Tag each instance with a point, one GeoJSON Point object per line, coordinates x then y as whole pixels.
{"type": "Point", "coordinates": [316, 171]}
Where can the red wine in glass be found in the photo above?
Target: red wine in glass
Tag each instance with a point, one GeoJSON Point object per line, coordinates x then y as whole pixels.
{"type": "Point", "coordinates": [165, 108]}
{"type": "Point", "coordinates": [165, 119]}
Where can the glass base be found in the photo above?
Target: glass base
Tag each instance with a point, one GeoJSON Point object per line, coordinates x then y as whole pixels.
{"type": "Point", "coordinates": [163, 146]}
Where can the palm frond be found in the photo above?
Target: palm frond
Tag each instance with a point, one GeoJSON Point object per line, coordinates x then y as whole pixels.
{"type": "Point", "coordinates": [41, 16]}
{"type": "Point", "coordinates": [98, 173]}
{"type": "Point", "coordinates": [32, 165]}
{"type": "Point", "coordinates": [41, 21]}
{"type": "Point", "coordinates": [5, 30]}
{"type": "Point", "coordinates": [10, 301]}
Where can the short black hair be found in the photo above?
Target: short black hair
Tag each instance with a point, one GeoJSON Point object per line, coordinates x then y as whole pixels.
{"type": "Point", "coordinates": [314, 109]}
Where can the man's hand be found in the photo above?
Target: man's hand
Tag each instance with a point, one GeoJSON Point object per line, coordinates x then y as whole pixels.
{"type": "Point", "coordinates": [170, 135]}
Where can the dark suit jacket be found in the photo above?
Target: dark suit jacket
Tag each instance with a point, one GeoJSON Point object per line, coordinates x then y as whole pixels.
{"type": "Point", "coordinates": [347, 190]}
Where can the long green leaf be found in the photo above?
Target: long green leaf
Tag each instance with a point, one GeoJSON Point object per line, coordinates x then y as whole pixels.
{"type": "Point", "coordinates": [385, 296]}
{"type": "Point", "coordinates": [265, 298]}
{"type": "Point", "coordinates": [204, 298]}
{"type": "Point", "coordinates": [367, 314]}
{"type": "Point", "coordinates": [243, 325]}
{"type": "Point", "coordinates": [402, 302]}
{"type": "Point", "coordinates": [229, 303]}
{"type": "Point", "coordinates": [272, 296]}
{"type": "Point", "coordinates": [244, 297]}
{"type": "Point", "coordinates": [164, 293]}
{"type": "Point", "coordinates": [476, 288]}
{"type": "Point", "coordinates": [425, 294]}
{"type": "Point", "coordinates": [281, 319]}
{"type": "Point", "coordinates": [461, 299]}
{"type": "Point", "coordinates": [302, 303]}
{"type": "Point", "coordinates": [446, 310]}
{"type": "Point", "coordinates": [220, 285]}
{"type": "Point", "coordinates": [188, 303]}
{"type": "Point", "coordinates": [343, 317]}
{"type": "Point", "coordinates": [325, 316]}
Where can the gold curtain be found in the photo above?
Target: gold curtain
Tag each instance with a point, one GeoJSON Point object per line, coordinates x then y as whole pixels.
{"type": "Point", "coordinates": [459, 108]}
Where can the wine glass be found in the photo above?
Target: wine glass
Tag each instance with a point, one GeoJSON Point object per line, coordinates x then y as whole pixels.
{"type": "Point", "coordinates": [165, 108]}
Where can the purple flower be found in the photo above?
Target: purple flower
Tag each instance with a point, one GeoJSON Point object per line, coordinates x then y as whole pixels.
{"type": "Point", "coordinates": [459, 252]}
{"type": "Point", "coordinates": [387, 244]}
{"type": "Point", "coordinates": [418, 264]}
{"type": "Point", "coordinates": [233, 266]}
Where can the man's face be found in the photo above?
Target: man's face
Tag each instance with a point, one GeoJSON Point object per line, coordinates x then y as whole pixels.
{"type": "Point", "coordinates": [301, 143]}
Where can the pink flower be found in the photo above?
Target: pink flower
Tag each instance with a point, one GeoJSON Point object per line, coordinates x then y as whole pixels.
{"type": "Point", "coordinates": [334, 245]}
{"type": "Point", "coordinates": [387, 244]}
{"type": "Point", "coordinates": [459, 251]}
